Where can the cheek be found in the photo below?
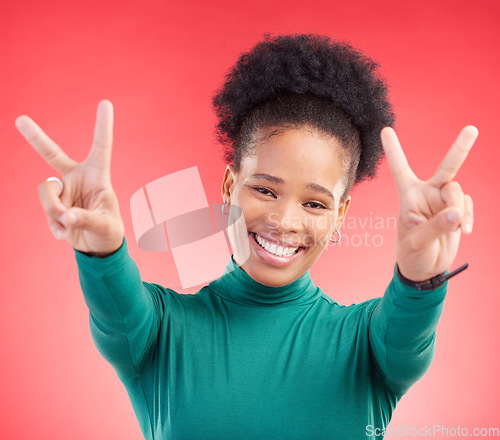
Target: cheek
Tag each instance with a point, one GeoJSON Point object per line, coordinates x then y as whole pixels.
{"type": "Point", "coordinates": [319, 229]}
{"type": "Point", "coordinates": [250, 207]}
{"type": "Point", "coordinates": [249, 211]}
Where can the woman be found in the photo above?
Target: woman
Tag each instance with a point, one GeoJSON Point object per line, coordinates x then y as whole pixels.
{"type": "Point", "coordinates": [262, 352]}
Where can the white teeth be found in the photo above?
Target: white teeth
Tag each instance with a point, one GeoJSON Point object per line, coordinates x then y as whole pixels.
{"type": "Point", "coordinates": [280, 251]}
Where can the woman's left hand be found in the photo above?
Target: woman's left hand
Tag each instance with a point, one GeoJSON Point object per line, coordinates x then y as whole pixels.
{"type": "Point", "coordinates": [433, 213]}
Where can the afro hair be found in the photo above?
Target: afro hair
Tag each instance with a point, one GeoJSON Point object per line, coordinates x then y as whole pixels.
{"type": "Point", "coordinates": [305, 79]}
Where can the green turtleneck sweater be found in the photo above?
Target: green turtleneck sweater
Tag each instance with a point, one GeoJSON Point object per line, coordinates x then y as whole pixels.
{"type": "Point", "coordinates": [240, 360]}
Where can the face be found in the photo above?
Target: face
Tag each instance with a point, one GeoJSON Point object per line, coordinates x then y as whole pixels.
{"type": "Point", "coordinates": [287, 194]}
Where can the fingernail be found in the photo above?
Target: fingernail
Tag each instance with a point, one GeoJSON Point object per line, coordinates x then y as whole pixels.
{"type": "Point", "coordinates": [71, 218]}
{"type": "Point", "coordinates": [58, 233]}
{"type": "Point", "coordinates": [467, 228]}
{"type": "Point", "coordinates": [452, 216]}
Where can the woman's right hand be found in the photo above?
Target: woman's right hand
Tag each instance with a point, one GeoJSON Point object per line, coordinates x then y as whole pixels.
{"type": "Point", "coordinates": [86, 213]}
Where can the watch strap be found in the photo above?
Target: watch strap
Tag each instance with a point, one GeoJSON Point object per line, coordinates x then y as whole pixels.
{"type": "Point", "coordinates": [432, 283]}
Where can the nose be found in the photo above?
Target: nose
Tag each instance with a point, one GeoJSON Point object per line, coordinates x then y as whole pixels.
{"type": "Point", "coordinates": [286, 217]}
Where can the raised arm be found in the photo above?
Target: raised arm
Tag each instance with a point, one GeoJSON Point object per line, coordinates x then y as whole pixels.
{"type": "Point", "coordinates": [433, 214]}
{"type": "Point", "coordinates": [124, 312]}
{"type": "Point", "coordinates": [85, 211]}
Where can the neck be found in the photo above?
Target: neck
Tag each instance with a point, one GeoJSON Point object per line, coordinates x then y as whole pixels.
{"type": "Point", "coordinates": [237, 286]}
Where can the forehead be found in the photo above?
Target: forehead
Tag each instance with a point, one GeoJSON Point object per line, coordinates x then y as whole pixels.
{"type": "Point", "coordinates": [297, 154]}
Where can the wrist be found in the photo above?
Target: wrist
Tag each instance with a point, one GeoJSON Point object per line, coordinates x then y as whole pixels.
{"type": "Point", "coordinates": [105, 253]}
{"type": "Point", "coordinates": [431, 283]}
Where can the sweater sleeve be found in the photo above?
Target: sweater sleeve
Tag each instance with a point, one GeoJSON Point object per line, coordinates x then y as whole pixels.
{"type": "Point", "coordinates": [124, 312]}
{"type": "Point", "coordinates": [402, 333]}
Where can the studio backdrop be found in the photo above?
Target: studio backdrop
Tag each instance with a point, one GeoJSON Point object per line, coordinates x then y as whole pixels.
{"type": "Point", "coordinates": [159, 62]}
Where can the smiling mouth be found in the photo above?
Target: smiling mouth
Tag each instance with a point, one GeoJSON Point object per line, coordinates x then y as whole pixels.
{"type": "Point", "coordinates": [269, 247]}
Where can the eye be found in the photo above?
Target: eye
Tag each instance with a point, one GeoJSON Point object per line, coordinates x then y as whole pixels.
{"type": "Point", "coordinates": [317, 205]}
{"type": "Point", "coordinates": [262, 190]}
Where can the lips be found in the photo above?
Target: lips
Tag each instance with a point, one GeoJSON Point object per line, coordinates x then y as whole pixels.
{"type": "Point", "coordinates": [271, 259]}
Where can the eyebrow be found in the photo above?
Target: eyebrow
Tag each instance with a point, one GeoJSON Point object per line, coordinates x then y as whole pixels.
{"type": "Point", "coordinates": [310, 185]}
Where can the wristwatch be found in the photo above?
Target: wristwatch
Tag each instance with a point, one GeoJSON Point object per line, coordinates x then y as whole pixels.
{"type": "Point", "coordinates": [432, 283]}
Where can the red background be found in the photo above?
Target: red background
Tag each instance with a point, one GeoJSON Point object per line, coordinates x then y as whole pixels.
{"type": "Point", "coordinates": [159, 63]}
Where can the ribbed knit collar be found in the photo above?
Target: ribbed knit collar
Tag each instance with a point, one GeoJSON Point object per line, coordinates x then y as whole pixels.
{"type": "Point", "coordinates": [237, 286]}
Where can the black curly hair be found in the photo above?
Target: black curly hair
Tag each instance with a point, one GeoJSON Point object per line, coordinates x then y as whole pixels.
{"type": "Point", "coordinates": [305, 80]}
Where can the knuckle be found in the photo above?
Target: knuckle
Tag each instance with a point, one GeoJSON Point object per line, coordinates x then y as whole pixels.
{"type": "Point", "coordinates": [53, 211]}
{"type": "Point", "coordinates": [448, 169]}
{"type": "Point", "coordinates": [47, 188]}
{"type": "Point", "coordinates": [33, 137]}
{"type": "Point", "coordinates": [47, 200]}
{"type": "Point", "coordinates": [452, 193]}
{"type": "Point", "coordinates": [53, 225]}
{"type": "Point", "coordinates": [51, 155]}
{"type": "Point", "coordinates": [454, 186]}
{"type": "Point", "coordinates": [42, 188]}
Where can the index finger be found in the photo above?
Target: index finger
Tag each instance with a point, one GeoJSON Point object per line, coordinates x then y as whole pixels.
{"type": "Point", "coordinates": [50, 151]}
{"type": "Point", "coordinates": [455, 157]}
{"type": "Point", "coordinates": [100, 153]}
{"type": "Point", "coordinates": [398, 164]}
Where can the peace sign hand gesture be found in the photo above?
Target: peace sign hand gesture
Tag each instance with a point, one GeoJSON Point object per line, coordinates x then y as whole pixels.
{"type": "Point", "coordinates": [434, 213]}
{"type": "Point", "coordinates": [86, 213]}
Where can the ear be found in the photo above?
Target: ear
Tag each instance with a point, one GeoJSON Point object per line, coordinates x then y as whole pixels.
{"type": "Point", "coordinates": [227, 182]}
{"type": "Point", "coordinates": [342, 212]}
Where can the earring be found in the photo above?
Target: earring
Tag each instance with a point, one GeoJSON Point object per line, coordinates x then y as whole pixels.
{"type": "Point", "coordinates": [223, 206]}
{"type": "Point", "coordinates": [340, 237]}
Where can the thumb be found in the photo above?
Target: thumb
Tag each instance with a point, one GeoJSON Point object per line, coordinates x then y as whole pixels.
{"type": "Point", "coordinates": [96, 221]}
{"type": "Point", "coordinates": [447, 220]}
